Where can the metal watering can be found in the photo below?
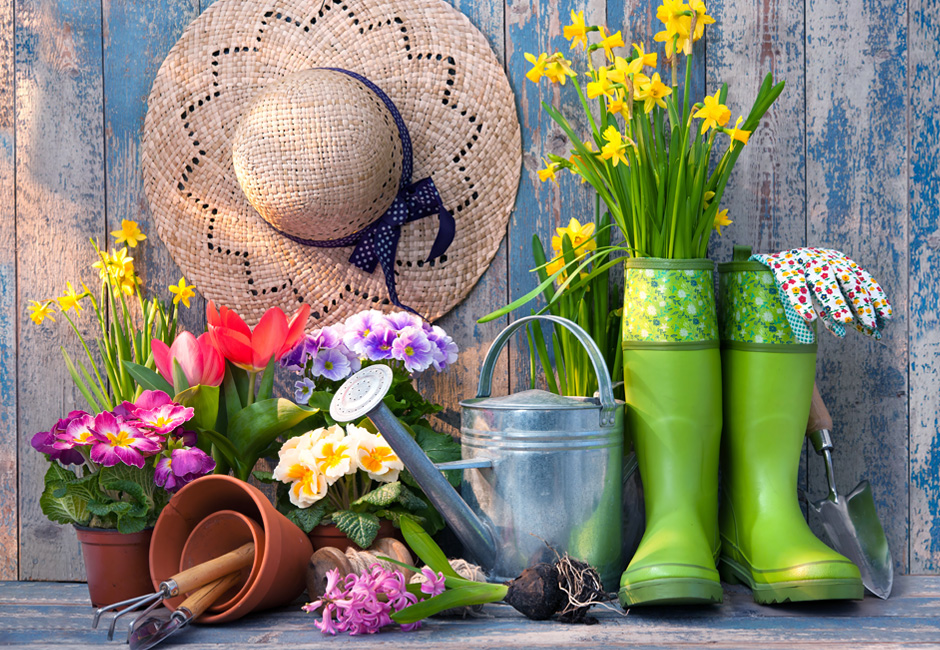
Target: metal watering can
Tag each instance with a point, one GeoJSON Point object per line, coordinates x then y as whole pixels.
{"type": "Point", "coordinates": [542, 472]}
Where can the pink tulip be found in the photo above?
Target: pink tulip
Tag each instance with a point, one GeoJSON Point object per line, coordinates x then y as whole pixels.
{"type": "Point", "coordinates": [201, 362]}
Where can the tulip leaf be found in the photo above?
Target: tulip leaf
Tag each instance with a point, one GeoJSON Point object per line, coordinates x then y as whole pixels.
{"type": "Point", "coordinates": [233, 401]}
{"type": "Point", "coordinates": [267, 381]}
{"type": "Point", "coordinates": [255, 427]}
{"type": "Point", "coordinates": [221, 443]}
{"type": "Point", "coordinates": [147, 378]}
{"type": "Point", "coordinates": [474, 594]}
{"type": "Point", "coordinates": [425, 547]}
{"type": "Point", "coordinates": [204, 401]}
{"type": "Point", "coordinates": [180, 383]}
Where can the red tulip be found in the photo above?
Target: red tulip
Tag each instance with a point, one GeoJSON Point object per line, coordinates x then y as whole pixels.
{"type": "Point", "coordinates": [200, 360]}
{"type": "Point", "coordinates": [274, 335]}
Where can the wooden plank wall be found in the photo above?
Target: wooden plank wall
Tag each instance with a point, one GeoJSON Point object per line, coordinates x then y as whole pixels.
{"type": "Point", "coordinates": [847, 158]}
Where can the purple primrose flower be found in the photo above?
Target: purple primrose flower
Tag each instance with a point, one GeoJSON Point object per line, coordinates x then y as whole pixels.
{"type": "Point", "coordinates": [303, 389]}
{"type": "Point", "coordinates": [332, 364]}
{"type": "Point", "coordinates": [413, 348]}
{"type": "Point", "coordinates": [182, 467]}
{"type": "Point", "coordinates": [399, 320]}
{"type": "Point", "coordinates": [359, 326]}
{"type": "Point", "coordinates": [120, 441]}
{"type": "Point", "coordinates": [444, 351]}
{"type": "Point", "coordinates": [45, 441]}
{"type": "Point", "coordinates": [377, 346]}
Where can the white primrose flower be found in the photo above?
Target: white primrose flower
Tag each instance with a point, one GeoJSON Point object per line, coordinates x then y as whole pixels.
{"type": "Point", "coordinates": [376, 457]}
{"type": "Point", "coordinates": [334, 458]}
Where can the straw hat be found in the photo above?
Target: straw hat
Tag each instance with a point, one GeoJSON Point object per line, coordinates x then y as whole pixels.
{"type": "Point", "coordinates": [273, 142]}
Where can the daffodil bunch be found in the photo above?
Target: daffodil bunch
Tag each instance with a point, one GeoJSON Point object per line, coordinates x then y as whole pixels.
{"type": "Point", "coordinates": [125, 329]}
{"type": "Point", "coordinates": [586, 303]}
{"type": "Point", "coordinates": [348, 477]}
{"type": "Point", "coordinates": [659, 163]}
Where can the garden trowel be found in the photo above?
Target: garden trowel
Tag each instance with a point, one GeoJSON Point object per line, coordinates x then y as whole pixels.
{"type": "Point", "coordinates": [850, 522]}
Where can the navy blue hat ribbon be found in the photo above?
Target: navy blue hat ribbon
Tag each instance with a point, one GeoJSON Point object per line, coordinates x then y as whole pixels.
{"type": "Point", "coordinates": [377, 243]}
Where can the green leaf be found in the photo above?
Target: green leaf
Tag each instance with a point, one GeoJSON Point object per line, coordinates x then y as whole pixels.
{"type": "Point", "coordinates": [204, 401]}
{"type": "Point", "coordinates": [221, 444]}
{"type": "Point", "coordinates": [440, 448]}
{"type": "Point", "coordinates": [267, 381]}
{"type": "Point", "coordinates": [381, 496]}
{"type": "Point", "coordinates": [256, 426]}
{"type": "Point", "coordinates": [425, 547]}
{"type": "Point", "coordinates": [180, 383]}
{"type": "Point", "coordinates": [147, 378]}
{"type": "Point", "coordinates": [77, 380]}
{"type": "Point", "coordinates": [66, 508]}
{"type": "Point", "coordinates": [307, 518]}
{"type": "Point", "coordinates": [360, 527]}
{"type": "Point", "coordinates": [264, 477]}
{"type": "Point", "coordinates": [476, 594]}
{"type": "Point", "coordinates": [410, 500]}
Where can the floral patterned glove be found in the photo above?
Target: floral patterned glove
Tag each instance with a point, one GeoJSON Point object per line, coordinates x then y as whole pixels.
{"type": "Point", "coordinates": [847, 294]}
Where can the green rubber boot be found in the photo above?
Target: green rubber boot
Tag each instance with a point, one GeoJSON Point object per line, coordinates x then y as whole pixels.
{"type": "Point", "coordinates": [673, 394]}
{"type": "Point", "coordinates": [767, 384]}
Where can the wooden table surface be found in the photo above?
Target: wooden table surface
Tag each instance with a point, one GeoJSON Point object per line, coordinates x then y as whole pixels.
{"type": "Point", "coordinates": [47, 615]}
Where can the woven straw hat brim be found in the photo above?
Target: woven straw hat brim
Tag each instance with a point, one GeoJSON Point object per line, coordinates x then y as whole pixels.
{"type": "Point", "coordinates": [429, 59]}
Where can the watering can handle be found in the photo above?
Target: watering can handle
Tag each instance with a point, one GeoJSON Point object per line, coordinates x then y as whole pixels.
{"type": "Point", "coordinates": [605, 389]}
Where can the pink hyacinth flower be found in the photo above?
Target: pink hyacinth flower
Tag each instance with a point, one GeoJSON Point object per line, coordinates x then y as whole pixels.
{"type": "Point", "coordinates": [120, 441]}
{"type": "Point", "coordinates": [201, 362]}
{"type": "Point", "coordinates": [433, 584]}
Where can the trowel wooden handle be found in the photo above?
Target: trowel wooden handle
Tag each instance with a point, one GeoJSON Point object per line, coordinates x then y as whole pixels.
{"type": "Point", "coordinates": [819, 417]}
{"type": "Point", "coordinates": [203, 574]}
{"type": "Point", "coordinates": [200, 600]}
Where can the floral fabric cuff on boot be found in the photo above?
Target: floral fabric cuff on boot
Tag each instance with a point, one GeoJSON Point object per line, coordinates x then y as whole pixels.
{"type": "Point", "coordinates": [847, 293]}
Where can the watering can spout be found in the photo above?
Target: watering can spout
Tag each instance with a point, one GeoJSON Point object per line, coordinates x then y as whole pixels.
{"type": "Point", "coordinates": [361, 395]}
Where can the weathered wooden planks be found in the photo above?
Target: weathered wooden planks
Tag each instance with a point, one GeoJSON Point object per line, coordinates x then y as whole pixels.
{"type": "Point", "coordinates": [136, 39]}
{"type": "Point", "coordinates": [923, 284]}
{"type": "Point", "coordinates": [8, 305]}
{"type": "Point", "coordinates": [857, 202]}
{"type": "Point", "coordinates": [37, 615]}
{"type": "Point", "coordinates": [60, 204]}
{"type": "Point", "coordinates": [535, 26]}
{"type": "Point", "coordinates": [460, 381]}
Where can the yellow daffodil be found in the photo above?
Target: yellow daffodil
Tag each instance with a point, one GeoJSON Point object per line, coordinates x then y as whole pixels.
{"type": "Point", "coordinates": [577, 31]}
{"type": "Point", "coordinates": [581, 237]}
{"type": "Point", "coordinates": [182, 292]}
{"type": "Point", "coordinates": [129, 233]}
{"type": "Point", "coordinates": [706, 199]}
{"type": "Point", "coordinates": [608, 43]}
{"type": "Point", "coordinates": [41, 311]}
{"type": "Point", "coordinates": [103, 265]}
{"type": "Point", "coordinates": [739, 134]}
{"type": "Point", "coordinates": [701, 18]}
{"type": "Point", "coordinates": [574, 157]}
{"type": "Point", "coordinates": [721, 219]}
{"type": "Point", "coordinates": [123, 265]}
{"type": "Point", "coordinates": [71, 299]}
{"type": "Point", "coordinates": [557, 264]}
{"type": "Point", "coordinates": [538, 66]}
{"type": "Point", "coordinates": [600, 86]}
{"type": "Point", "coordinates": [714, 113]}
{"type": "Point", "coordinates": [648, 59]}
{"type": "Point", "coordinates": [549, 172]}
{"type": "Point", "coordinates": [619, 104]}
{"type": "Point", "coordinates": [129, 284]}
{"type": "Point", "coordinates": [558, 69]}
{"type": "Point", "coordinates": [621, 69]}
{"type": "Point", "coordinates": [615, 147]}
{"type": "Point", "coordinates": [652, 93]}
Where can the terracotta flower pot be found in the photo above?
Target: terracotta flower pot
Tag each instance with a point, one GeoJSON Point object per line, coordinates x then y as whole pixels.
{"type": "Point", "coordinates": [329, 535]}
{"type": "Point", "coordinates": [216, 535]}
{"type": "Point", "coordinates": [115, 563]}
{"type": "Point", "coordinates": [281, 576]}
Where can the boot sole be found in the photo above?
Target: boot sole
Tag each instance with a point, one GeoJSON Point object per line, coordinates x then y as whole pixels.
{"type": "Point", "coordinates": [793, 591]}
{"type": "Point", "coordinates": [671, 591]}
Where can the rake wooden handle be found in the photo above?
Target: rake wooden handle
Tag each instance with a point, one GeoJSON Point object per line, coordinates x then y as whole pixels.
{"type": "Point", "coordinates": [819, 417]}
{"type": "Point", "coordinates": [203, 574]}
{"type": "Point", "coordinates": [200, 600]}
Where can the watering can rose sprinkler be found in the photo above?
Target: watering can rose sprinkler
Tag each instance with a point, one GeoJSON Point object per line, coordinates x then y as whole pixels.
{"type": "Point", "coordinates": [543, 472]}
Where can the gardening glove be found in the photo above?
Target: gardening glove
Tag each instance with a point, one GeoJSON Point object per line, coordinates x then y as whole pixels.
{"type": "Point", "coordinates": [847, 294]}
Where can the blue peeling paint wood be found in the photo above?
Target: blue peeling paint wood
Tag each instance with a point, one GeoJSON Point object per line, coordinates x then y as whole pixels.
{"type": "Point", "coordinates": [136, 40]}
{"type": "Point", "coordinates": [535, 26]}
{"type": "Point", "coordinates": [60, 204]}
{"type": "Point", "coordinates": [473, 339]}
{"type": "Point", "coordinates": [766, 195]}
{"type": "Point", "coordinates": [8, 308]}
{"type": "Point", "coordinates": [857, 202]}
{"type": "Point", "coordinates": [924, 324]}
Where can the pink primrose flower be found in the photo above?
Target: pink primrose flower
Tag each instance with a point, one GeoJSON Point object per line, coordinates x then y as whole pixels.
{"type": "Point", "coordinates": [120, 441]}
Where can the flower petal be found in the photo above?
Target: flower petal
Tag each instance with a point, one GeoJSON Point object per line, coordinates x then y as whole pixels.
{"type": "Point", "coordinates": [187, 351]}
{"type": "Point", "coordinates": [268, 337]}
{"type": "Point", "coordinates": [213, 368]}
{"type": "Point", "coordinates": [295, 329]}
{"type": "Point", "coordinates": [162, 358]}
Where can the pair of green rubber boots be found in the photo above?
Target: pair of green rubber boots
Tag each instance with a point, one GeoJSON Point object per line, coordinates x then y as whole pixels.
{"type": "Point", "coordinates": [691, 400]}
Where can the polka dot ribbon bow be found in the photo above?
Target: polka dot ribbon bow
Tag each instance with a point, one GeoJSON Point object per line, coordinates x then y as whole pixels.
{"type": "Point", "coordinates": [847, 294]}
{"type": "Point", "coordinates": [377, 243]}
